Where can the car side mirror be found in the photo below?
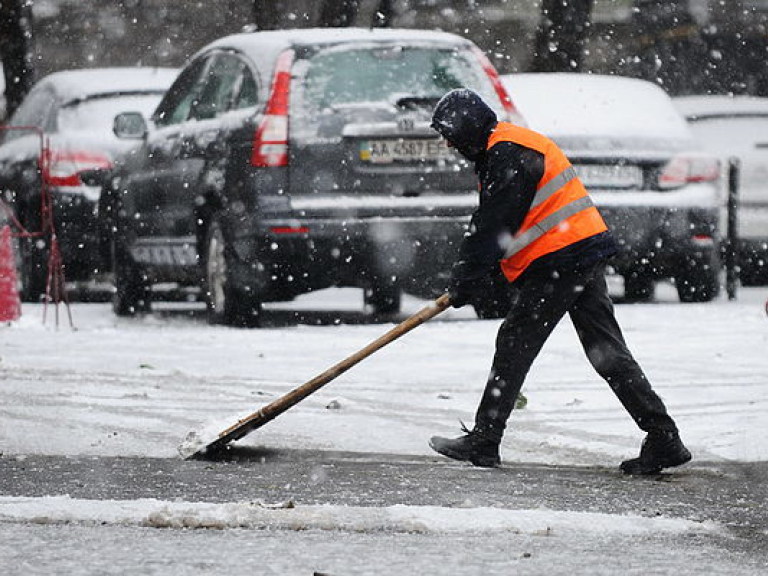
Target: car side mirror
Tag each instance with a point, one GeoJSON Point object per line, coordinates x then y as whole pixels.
{"type": "Point", "coordinates": [130, 126]}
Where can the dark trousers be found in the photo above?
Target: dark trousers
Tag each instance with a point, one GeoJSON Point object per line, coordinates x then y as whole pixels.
{"type": "Point", "coordinates": [539, 304]}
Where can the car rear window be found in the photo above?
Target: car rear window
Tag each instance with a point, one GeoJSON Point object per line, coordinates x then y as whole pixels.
{"type": "Point", "coordinates": [385, 75]}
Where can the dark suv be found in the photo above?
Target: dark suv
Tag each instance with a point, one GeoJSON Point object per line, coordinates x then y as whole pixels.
{"type": "Point", "coordinates": [288, 161]}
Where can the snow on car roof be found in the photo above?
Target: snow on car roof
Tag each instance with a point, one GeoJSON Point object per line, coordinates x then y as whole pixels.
{"type": "Point", "coordinates": [312, 36]}
{"type": "Point", "coordinates": [720, 105]}
{"type": "Point", "coordinates": [572, 104]}
{"type": "Point", "coordinates": [88, 82]}
{"type": "Point", "coordinates": [264, 46]}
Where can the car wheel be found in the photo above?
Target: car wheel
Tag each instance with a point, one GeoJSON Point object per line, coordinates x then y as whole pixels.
{"type": "Point", "coordinates": [132, 292]}
{"type": "Point", "coordinates": [748, 278]}
{"type": "Point", "coordinates": [752, 272]}
{"type": "Point", "coordinates": [384, 297]}
{"type": "Point", "coordinates": [699, 282]}
{"type": "Point", "coordinates": [226, 302]}
{"type": "Point", "coordinates": [638, 287]}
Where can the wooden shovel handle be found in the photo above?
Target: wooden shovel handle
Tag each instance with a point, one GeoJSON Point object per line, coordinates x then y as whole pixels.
{"type": "Point", "coordinates": [277, 407]}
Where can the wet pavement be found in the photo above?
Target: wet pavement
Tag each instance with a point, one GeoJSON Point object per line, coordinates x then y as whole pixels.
{"type": "Point", "coordinates": [732, 494]}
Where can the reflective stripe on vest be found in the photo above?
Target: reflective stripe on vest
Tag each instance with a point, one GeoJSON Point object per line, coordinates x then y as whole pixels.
{"type": "Point", "coordinates": [553, 185]}
{"type": "Point", "coordinates": [540, 228]}
{"type": "Point", "coordinates": [561, 212]}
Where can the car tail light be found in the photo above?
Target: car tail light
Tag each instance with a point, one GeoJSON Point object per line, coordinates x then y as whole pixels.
{"type": "Point", "coordinates": [270, 143]}
{"type": "Point", "coordinates": [509, 106]}
{"type": "Point", "coordinates": [289, 229]}
{"type": "Point", "coordinates": [64, 167]}
{"type": "Point", "coordinates": [682, 170]}
{"type": "Point", "coordinates": [703, 239]}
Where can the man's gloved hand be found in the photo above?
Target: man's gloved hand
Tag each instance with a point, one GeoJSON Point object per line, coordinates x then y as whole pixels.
{"type": "Point", "coordinates": [460, 292]}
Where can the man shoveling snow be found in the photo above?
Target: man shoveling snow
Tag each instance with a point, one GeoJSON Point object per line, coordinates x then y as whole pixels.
{"type": "Point", "coordinates": [537, 225]}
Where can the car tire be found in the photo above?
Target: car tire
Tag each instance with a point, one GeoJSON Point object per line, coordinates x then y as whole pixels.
{"type": "Point", "coordinates": [638, 287]}
{"type": "Point", "coordinates": [132, 291]}
{"type": "Point", "coordinates": [699, 281]}
{"type": "Point", "coordinates": [384, 297]}
{"type": "Point", "coordinates": [226, 303]}
{"type": "Point", "coordinates": [752, 272]}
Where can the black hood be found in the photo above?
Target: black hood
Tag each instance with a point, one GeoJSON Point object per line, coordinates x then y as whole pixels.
{"type": "Point", "coordinates": [462, 118]}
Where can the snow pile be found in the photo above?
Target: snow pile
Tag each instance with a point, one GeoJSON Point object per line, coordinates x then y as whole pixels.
{"type": "Point", "coordinates": [197, 440]}
{"type": "Point", "coordinates": [288, 516]}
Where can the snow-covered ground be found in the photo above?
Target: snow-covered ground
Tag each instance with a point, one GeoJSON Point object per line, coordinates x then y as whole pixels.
{"type": "Point", "coordinates": [136, 387]}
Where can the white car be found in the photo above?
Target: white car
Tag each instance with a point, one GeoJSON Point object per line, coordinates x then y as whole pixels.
{"type": "Point", "coordinates": [658, 191]}
{"type": "Point", "coordinates": [70, 114]}
{"type": "Point", "coordinates": [737, 126]}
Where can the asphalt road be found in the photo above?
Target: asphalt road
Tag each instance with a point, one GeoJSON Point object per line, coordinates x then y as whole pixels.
{"type": "Point", "coordinates": [735, 495]}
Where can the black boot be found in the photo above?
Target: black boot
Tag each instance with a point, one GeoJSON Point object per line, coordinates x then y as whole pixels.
{"type": "Point", "coordinates": [475, 446]}
{"type": "Point", "coordinates": [660, 449]}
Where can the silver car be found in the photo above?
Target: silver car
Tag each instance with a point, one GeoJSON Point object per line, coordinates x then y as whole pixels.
{"type": "Point", "coordinates": [658, 191]}
{"type": "Point", "coordinates": [737, 126]}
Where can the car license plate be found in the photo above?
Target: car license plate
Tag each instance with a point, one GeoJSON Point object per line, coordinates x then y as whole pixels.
{"type": "Point", "coordinates": [609, 176]}
{"type": "Point", "coordinates": [404, 150]}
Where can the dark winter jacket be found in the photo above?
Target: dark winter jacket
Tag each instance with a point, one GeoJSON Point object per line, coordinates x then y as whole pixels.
{"type": "Point", "coordinates": [509, 174]}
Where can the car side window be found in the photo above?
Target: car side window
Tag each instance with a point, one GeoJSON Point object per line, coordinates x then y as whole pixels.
{"type": "Point", "coordinates": [223, 79]}
{"type": "Point", "coordinates": [177, 103]}
{"type": "Point", "coordinates": [247, 92]}
{"type": "Point", "coordinates": [36, 110]}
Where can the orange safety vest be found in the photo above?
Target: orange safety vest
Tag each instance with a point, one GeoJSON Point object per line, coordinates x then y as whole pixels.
{"type": "Point", "coordinates": [561, 214]}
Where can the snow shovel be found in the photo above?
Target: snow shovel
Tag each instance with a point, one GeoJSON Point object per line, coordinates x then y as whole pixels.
{"type": "Point", "coordinates": [195, 448]}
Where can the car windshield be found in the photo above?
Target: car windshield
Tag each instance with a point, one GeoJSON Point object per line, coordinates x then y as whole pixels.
{"type": "Point", "coordinates": [97, 114]}
{"type": "Point", "coordinates": [391, 75]}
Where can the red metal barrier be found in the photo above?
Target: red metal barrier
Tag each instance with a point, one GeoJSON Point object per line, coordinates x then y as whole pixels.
{"type": "Point", "coordinates": [55, 288]}
{"type": "Point", "coordinates": [10, 303]}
